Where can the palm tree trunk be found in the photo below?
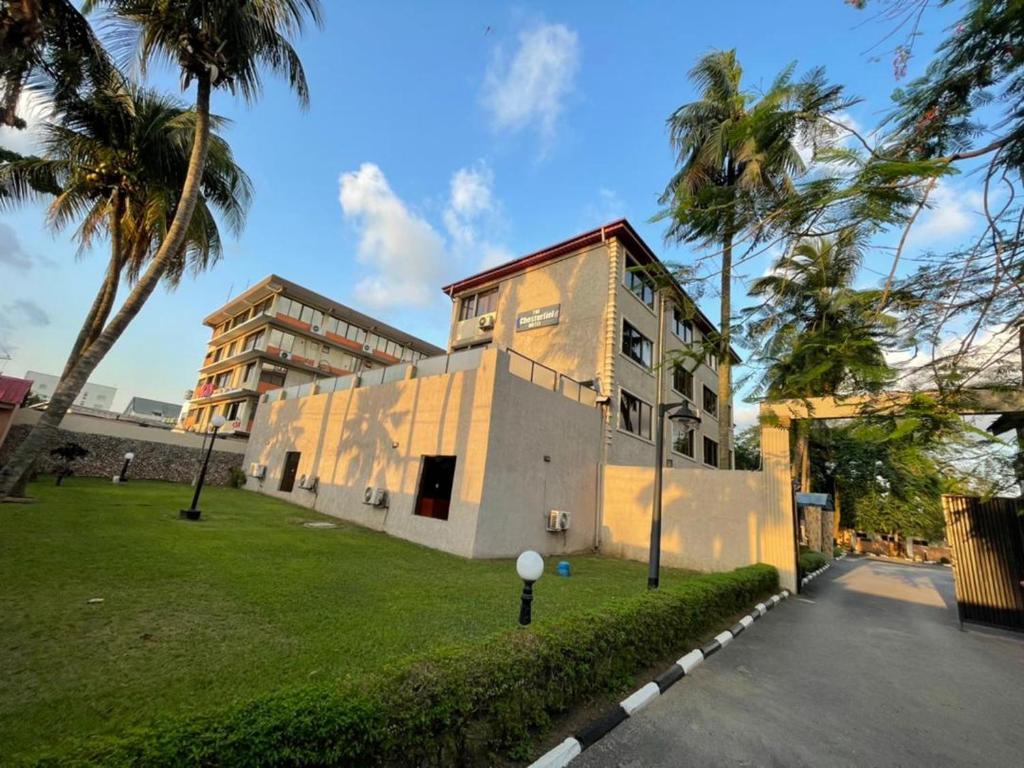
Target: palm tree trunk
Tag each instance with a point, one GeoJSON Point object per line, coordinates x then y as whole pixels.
{"type": "Point", "coordinates": [67, 390]}
{"type": "Point", "coordinates": [724, 360]}
{"type": "Point", "coordinates": [104, 300]}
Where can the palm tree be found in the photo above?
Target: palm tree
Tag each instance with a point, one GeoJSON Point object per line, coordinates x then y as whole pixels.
{"type": "Point", "coordinates": [217, 44]}
{"type": "Point", "coordinates": [736, 156]}
{"type": "Point", "coordinates": [819, 335]}
{"type": "Point", "coordinates": [47, 42]}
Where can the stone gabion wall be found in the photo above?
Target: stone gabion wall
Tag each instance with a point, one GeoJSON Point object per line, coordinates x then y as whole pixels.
{"type": "Point", "coordinates": [153, 461]}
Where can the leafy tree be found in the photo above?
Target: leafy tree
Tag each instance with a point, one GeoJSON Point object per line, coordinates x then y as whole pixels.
{"type": "Point", "coordinates": [221, 44]}
{"type": "Point", "coordinates": [68, 453]}
{"type": "Point", "coordinates": [748, 448]}
{"type": "Point", "coordinates": [736, 157]}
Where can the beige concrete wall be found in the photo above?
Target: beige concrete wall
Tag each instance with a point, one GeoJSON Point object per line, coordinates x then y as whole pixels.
{"type": "Point", "coordinates": [376, 436]}
{"type": "Point", "coordinates": [94, 425]}
{"type": "Point", "coordinates": [529, 423]}
{"type": "Point", "coordinates": [711, 520]}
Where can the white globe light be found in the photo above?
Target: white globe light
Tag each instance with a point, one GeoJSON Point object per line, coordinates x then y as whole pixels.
{"type": "Point", "coordinates": [129, 455]}
{"type": "Point", "coordinates": [218, 421]}
{"type": "Point", "coordinates": [530, 566]}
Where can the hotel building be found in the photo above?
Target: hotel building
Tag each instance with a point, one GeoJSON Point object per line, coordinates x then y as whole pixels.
{"type": "Point", "coordinates": [602, 309]}
{"type": "Point", "coordinates": [279, 334]}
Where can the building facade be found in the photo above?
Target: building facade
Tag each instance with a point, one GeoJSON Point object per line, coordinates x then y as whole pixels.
{"type": "Point", "coordinates": [96, 396]}
{"type": "Point", "coordinates": [602, 309]}
{"type": "Point", "coordinates": [279, 334]}
{"type": "Point", "coordinates": [153, 411]}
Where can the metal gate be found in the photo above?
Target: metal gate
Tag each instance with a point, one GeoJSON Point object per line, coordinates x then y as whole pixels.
{"type": "Point", "coordinates": [987, 538]}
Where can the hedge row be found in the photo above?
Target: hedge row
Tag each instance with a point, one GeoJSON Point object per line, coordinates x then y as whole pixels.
{"type": "Point", "coordinates": [810, 561]}
{"type": "Point", "coordinates": [459, 707]}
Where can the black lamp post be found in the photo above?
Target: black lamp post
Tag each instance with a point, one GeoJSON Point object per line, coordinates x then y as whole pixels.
{"type": "Point", "coordinates": [530, 567]}
{"type": "Point", "coordinates": [680, 413]}
{"type": "Point", "coordinates": [123, 477]}
{"type": "Point", "coordinates": [193, 512]}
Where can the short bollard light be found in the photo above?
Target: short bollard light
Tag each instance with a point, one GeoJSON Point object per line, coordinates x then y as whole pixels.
{"type": "Point", "coordinates": [530, 567]}
{"type": "Point", "coordinates": [124, 470]}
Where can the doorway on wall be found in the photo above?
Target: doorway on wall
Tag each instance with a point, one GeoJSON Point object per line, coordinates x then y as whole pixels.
{"type": "Point", "coordinates": [291, 468]}
{"type": "Point", "coordinates": [437, 476]}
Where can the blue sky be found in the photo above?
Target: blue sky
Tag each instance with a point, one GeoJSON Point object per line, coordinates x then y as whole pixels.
{"type": "Point", "coordinates": [442, 138]}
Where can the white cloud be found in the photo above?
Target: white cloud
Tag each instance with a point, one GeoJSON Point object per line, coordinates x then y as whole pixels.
{"type": "Point", "coordinates": [838, 134]}
{"type": "Point", "coordinates": [405, 253]}
{"type": "Point", "coordinates": [34, 109]}
{"type": "Point", "coordinates": [12, 253]}
{"type": "Point", "coordinates": [409, 259]}
{"type": "Point", "coordinates": [531, 88]}
{"type": "Point", "coordinates": [953, 213]}
{"type": "Point", "coordinates": [22, 313]}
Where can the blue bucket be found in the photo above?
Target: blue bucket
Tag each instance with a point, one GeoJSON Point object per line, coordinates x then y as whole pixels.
{"type": "Point", "coordinates": [564, 569]}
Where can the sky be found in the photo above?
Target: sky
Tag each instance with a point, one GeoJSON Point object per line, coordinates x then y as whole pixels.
{"type": "Point", "coordinates": [443, 138]}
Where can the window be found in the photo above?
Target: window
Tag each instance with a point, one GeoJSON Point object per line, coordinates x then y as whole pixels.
{"type": "Point", "coordinates": [283, 341]}
{"type": "Point", "coordinates": [273, 375]}
{"type": "Point", "coordinates": [231, 349]}
{"type": "Point", "coordinates": [634, 415]}
{"type": "Point", "coordinates": [222, 380]}
{"type": "Point", "coordinates": [710, 401]}
{"type": "Point", "coordinates": [262, 307]}
{"type": "Point", "coordinates": [683, 440]}
{"type": "Point", "coordinates": [636, 346]}
{"type": "Point", "coordinates": [355, 334]}
{"type": "Point", "coordinates": [712, 361]}
{"type": "Point", "coordinates": [639, 282]}
{"type": "Point", "coordinates": [231, 410]}
{"type": "Point", "coordinates": [217, 354]}
{"type": "Point", "coordinates": [682, 381]}
{"type": "Point", "coordinates": [437, 476]}
{"type": "Point", "coordinates": [682, 327]}
{"type": "Point", "coordinates": [479, 304]}
{"type": "Point", "coordinates": [294, 309]}
{"type": "Point", "coordinates": [710, 452]}
{"type": "Point", "coordinates": [247, 376]}
{"type": "Point", "coordinates": [252, 340]}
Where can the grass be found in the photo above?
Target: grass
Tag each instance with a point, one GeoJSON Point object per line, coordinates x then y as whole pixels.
{"type": "Point", "coordinates": [198, 616]}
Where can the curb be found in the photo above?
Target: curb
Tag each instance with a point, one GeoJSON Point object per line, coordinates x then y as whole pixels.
{"type": "Point", "coordinates": [815, 574]}
{"type": "Point", "coordinates": [570, 748]}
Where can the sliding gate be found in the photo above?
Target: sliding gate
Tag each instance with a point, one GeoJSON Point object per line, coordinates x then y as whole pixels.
{"type": "Point", "coordinates": [987, 538]}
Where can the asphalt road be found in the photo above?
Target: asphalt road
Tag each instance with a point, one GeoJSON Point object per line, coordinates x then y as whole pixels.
{"type": "Point", "coordinates": [867, 668]}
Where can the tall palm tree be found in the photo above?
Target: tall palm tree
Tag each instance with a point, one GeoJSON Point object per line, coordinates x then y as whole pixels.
{"type": "Point", "coordinates": [221, 44]}
{"type": "Point", "coordinates": [818, 334]}
{"type": "Point", "coordinates": [736, 156]}
{"type": "Point", "coordinates": [47, 42]}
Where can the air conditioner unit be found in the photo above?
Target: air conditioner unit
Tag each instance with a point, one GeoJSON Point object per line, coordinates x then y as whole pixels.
{"type": "Point", "coordinates": [474, 328]}
{"type": "Point", "coordinates": [486, 322]}
{"type": "Point", "coordinates": [558, 520]}
{"type": "Point", "coordinates": [284, 355]}
{"type": "Point", "coordinates": [315, 328]}
{"type": "Point", "coordinates": [375, 497]}
{"type": "Point", "coordinates": [367, 348]}
{"type": "Point", "coordinates": [259, 471]}
{"type": "Point", "coordinates": [309, 482]}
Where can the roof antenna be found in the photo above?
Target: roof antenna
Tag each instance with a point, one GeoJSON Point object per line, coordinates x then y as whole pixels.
{"type": "Point", "coordinates": [227, 298]}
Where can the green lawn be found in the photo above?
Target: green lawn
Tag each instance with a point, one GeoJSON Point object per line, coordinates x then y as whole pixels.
{"type": "Point", "coordinates": [196, 616]}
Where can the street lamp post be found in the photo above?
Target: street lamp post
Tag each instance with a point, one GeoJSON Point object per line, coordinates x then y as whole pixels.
{"type": "Point", "coordinates": [124, 470]}
{"type": "Point", "coordinates": [193, 512]}
{"type": "Point", "coordinates": [530, 567]}
{"type": "Point", "coordinates": [680, 413]}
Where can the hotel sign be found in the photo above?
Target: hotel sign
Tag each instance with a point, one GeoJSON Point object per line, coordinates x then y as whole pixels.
{"type": "Point", "coordinates": [538, 318]}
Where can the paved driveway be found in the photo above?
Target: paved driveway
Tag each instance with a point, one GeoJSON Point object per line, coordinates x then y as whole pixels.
{"type": "Point", "coordinates": [867, 668]}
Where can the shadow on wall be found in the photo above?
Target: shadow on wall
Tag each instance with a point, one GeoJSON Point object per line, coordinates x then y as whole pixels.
{"type": "Point", "coordinates": [711, 520]}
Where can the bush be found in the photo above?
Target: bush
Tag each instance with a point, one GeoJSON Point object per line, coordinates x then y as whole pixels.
{"type": "Point", "coordinates": [462, 706]}
{"type": "Point", "coordinates": [837, 551]}
{"type": "Point", "coordinates": [236, 477]}
{"type": "Point", "coordinates": [810, 561]}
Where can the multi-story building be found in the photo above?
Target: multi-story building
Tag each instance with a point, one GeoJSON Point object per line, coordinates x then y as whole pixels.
{"type": "Point", "coordinates": [602, 309]}
{"type": "Point", "coordinates": [279, 334]}
{"type": "Point", "coordinates": [96, 396]}
{"type": "Point", "coordinates": [153, 411]}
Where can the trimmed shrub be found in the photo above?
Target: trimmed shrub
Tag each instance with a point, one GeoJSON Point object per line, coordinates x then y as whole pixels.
{"type": "Point", "coordinates": [810, 561]}
{"type": "Point", "coordinates": [461, 706]}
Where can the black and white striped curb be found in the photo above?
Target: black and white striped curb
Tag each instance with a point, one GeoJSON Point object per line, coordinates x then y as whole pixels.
{"type": "Point", "coordinates": [598, 729]}
{"type": "Point", "coordinates": [815, 574]}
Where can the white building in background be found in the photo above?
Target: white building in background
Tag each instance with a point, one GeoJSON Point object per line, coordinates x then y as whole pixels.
{"type": "Point", "coordinates": [97, 396]}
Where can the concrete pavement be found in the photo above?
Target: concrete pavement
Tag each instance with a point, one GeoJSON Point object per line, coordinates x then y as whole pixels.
{"type": "Point", "coordinates": [868, 667]}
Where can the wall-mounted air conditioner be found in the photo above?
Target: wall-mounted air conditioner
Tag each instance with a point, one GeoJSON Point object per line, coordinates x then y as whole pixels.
{"type": "Point", "coordinates": [367, 348]}
{"type": "Point", "coordinates": [259, 471]}
{"type": "Point", "coordinates": [315, 328]}
{"type": "Point", "coordinates": [284, 355]}
{"type": "Point", "coordinates": [375, 497]}
{"type": "Point", "coordinates": [309, 482]}
{"type": "Point", "coordinates": [474, 328]}
{"type": "Point", "coordinates": [558, 520]}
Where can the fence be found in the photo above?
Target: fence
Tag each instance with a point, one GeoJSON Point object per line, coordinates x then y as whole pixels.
{"type": "Point", "coordinates": [526, 368]}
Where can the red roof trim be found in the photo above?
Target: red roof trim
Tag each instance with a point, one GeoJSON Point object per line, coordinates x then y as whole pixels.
{"type": "Point", "coordinates": [13, 391]}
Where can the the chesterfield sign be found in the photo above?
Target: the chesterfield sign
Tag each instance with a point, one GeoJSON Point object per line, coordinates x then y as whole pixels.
{"type": "Point", "coordinates": [538, 318]}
